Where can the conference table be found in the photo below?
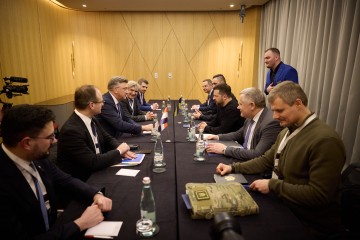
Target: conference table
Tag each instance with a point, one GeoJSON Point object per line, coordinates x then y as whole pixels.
{"type": "Point", "coordinates": [274, 221]}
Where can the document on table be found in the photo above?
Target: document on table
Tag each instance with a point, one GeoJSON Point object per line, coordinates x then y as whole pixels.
{"type": "Point", "coordinates": [127, 162]}
{"type": "Point", "coordinates": [104, 229]}
{"type": "Point", "coordinates": [128, 172]}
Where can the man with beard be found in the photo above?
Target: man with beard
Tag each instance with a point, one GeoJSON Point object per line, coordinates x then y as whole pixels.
{"type": "Point", "coordinates": [29, 182]}
{"type": "Point", "coordinates": [228, 117]}
{"type": "Point", "coordinates": [278, 71]}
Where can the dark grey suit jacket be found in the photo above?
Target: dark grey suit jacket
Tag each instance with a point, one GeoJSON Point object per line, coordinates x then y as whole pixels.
{"type": "Point", "coordinates": [135, 114]}
{"type": "Point", "coordinates": [21, 216]}
{"type": "Point", "coordinates": [264, 137]}
{"type": "Point", "coordinates": [76, 151]}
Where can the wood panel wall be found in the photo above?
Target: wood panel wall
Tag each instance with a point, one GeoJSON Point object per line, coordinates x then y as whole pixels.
{"type": "Point", "coordinates": [39, 38]}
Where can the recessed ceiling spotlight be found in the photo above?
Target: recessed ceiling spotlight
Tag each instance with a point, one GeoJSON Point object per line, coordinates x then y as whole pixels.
{"type": "Point", "coordinates": [232, 5]}
{"type": "Point", "coordinates": [84, 5]}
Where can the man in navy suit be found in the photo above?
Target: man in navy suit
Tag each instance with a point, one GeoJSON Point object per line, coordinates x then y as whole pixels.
{"type": "Point", "coordinates": [84, 146]}
{"type": "Point", "coordinates": [29, 181]}
{"type": "Point", "coordinates": [209, 106]}
{"type": "Point", "coordinates": [278, 71]}
{"type": "Point", "coordinates": [259, 131]}
{"type": "Point", "coordinates": [144, 106]}
{"type": "Point", "coordinates": [112, 117]}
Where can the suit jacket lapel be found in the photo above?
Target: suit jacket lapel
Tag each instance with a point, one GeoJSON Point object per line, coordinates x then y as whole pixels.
{"type": "Point", "coordinates": [258, 126]}
{"type": "Point", "coordinates": [79, 122]}
{"type": "Point", "coordinates": [20, 184]}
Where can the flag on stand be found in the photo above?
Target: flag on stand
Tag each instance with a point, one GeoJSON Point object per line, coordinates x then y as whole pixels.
{"type": "Point", "coordinates": [176, 111]}
{"type": "Point", "coordinates": [178, 107]}
{"type": "Point", "coordinates": [164, 120]}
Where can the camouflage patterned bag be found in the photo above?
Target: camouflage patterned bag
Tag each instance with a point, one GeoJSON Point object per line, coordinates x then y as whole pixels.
{"type": "Point", "coordinates": [209, 198]}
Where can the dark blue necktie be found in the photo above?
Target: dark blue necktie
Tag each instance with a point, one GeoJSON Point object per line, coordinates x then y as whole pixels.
{"type": "Point", "coordinates": [208, 100]}
{"type": "Point", "coordinates": [119, 109]}
{"type": "Point", "coordinates": [248, 134]}
{"type": "Point", "coordinates": [40, 198]}
{"type": "Point", "coordinates": [141, 98]}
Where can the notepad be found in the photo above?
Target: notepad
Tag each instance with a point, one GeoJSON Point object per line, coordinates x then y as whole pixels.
{"type": "Point", "coordinates": [105, 229]}
{"type": "Point", "coordinates": [131, 162]}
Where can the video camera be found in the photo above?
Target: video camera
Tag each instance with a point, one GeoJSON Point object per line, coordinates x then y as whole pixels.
{"type": "Point", "coordinates": [225, 227]}
{"type": "Point", "coordinates": [14, 90]}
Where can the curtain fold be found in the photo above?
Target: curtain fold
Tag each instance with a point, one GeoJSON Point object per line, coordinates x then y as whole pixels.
{"type": "Point", "coordinates": [321, 40]}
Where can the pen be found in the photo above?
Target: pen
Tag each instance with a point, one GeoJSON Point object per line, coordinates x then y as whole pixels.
{"type": "Point", "coordinates": [246, 186]}
{"type": "Point", "coordinates": [98, 236]}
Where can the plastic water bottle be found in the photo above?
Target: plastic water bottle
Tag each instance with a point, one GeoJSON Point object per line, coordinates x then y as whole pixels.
{"type": "Point", "coordinates": [191, 133]}
{"type": "Point", "coordinates": [163, 106]}
{"type": "Point", "coordinates": [154, 131]}
{"type": "Point", "coordinates": [200, 147]}
{"type": "Point", "coordinates": [159, 163]}
{"type": "Point", "coordinates": [169, 104]}
{"type": "Point", "coordinates": [146, 226]}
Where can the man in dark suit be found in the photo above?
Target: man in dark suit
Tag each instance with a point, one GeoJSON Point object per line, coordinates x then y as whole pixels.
{"type": "Point", "coordinates": [84, 147]}
{"type": "Point", "coordinates": [228, 117]}
{"type": "Point", "coordinates": [29, 182]}
{"type": "Point", "coordinates": [131, 107]}
{"type": "Point", "coordinates": [258, 133]}
{"type": "Point", "coordinates": [278, 71]}
{"type": "Point", "coordinates": [112, 117]}
{"type": "Point", "coordinates": [144, 106]}
{"type": "Point", "coordinates": [209, 106]}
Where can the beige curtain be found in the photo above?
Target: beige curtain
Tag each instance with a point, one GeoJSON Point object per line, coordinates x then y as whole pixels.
{"type": "Point", "coordinates": [321, 40]}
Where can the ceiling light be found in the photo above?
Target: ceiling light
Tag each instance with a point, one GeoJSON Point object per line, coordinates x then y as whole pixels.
{"type": "Point", "coordinates": [84, 5]}
{"type": "Point", "coordinates": [232, 5]}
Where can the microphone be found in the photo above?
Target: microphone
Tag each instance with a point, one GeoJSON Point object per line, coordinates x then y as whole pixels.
{"type": "Point", "coordinates": [16, 79]}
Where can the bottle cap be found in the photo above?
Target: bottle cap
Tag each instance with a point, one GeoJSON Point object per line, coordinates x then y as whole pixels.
{"type": "Point", "coordinates": [146, 180]}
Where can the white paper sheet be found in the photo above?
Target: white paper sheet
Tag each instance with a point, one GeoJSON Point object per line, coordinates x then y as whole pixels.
{"type": "Point", "coordinates": [105, 228]}
{"type": "Point", "coordinates": [128, 172]}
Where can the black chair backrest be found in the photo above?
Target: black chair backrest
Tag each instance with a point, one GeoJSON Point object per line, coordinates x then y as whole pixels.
{"type": "Point", "coordinates": [350, 199]}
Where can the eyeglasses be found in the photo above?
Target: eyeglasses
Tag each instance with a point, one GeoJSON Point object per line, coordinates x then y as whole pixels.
{"type": "Point", "coordinates": [51, 137]}
{"type": "Point", "coordinates": [102, 101]}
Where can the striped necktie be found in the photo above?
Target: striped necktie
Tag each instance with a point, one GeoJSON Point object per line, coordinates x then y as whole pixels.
{"type": "Point", "coordinates": [40, 198]}
{"type": "Point", "coordinates": [248, 134]}
{"type": "Point", "coordinates": [93, 129]}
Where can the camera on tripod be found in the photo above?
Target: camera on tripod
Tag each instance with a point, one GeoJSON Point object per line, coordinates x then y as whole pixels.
{"type": "Point", "coordinates": [11, 90]}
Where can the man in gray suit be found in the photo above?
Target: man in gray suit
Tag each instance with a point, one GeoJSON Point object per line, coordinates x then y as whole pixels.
{"type": "Point", "coordinates": [258, 133]}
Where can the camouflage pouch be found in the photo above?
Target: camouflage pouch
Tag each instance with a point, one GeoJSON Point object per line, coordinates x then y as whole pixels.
{"type": "Point", "coordinates": [206, 199]}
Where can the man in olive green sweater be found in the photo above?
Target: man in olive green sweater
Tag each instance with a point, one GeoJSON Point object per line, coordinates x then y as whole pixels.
{"type": "Point", "coordinates": [307, 159]}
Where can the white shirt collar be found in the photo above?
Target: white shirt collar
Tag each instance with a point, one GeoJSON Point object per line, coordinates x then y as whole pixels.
{"type": "Point", "coordinates": [257, 116]}
{"type": "Point", "coordinates": [18, 161]}
{"type": "Point", "coordinates": [83, 117]}
{"type": "Point", "coordinates": [114, 98]}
